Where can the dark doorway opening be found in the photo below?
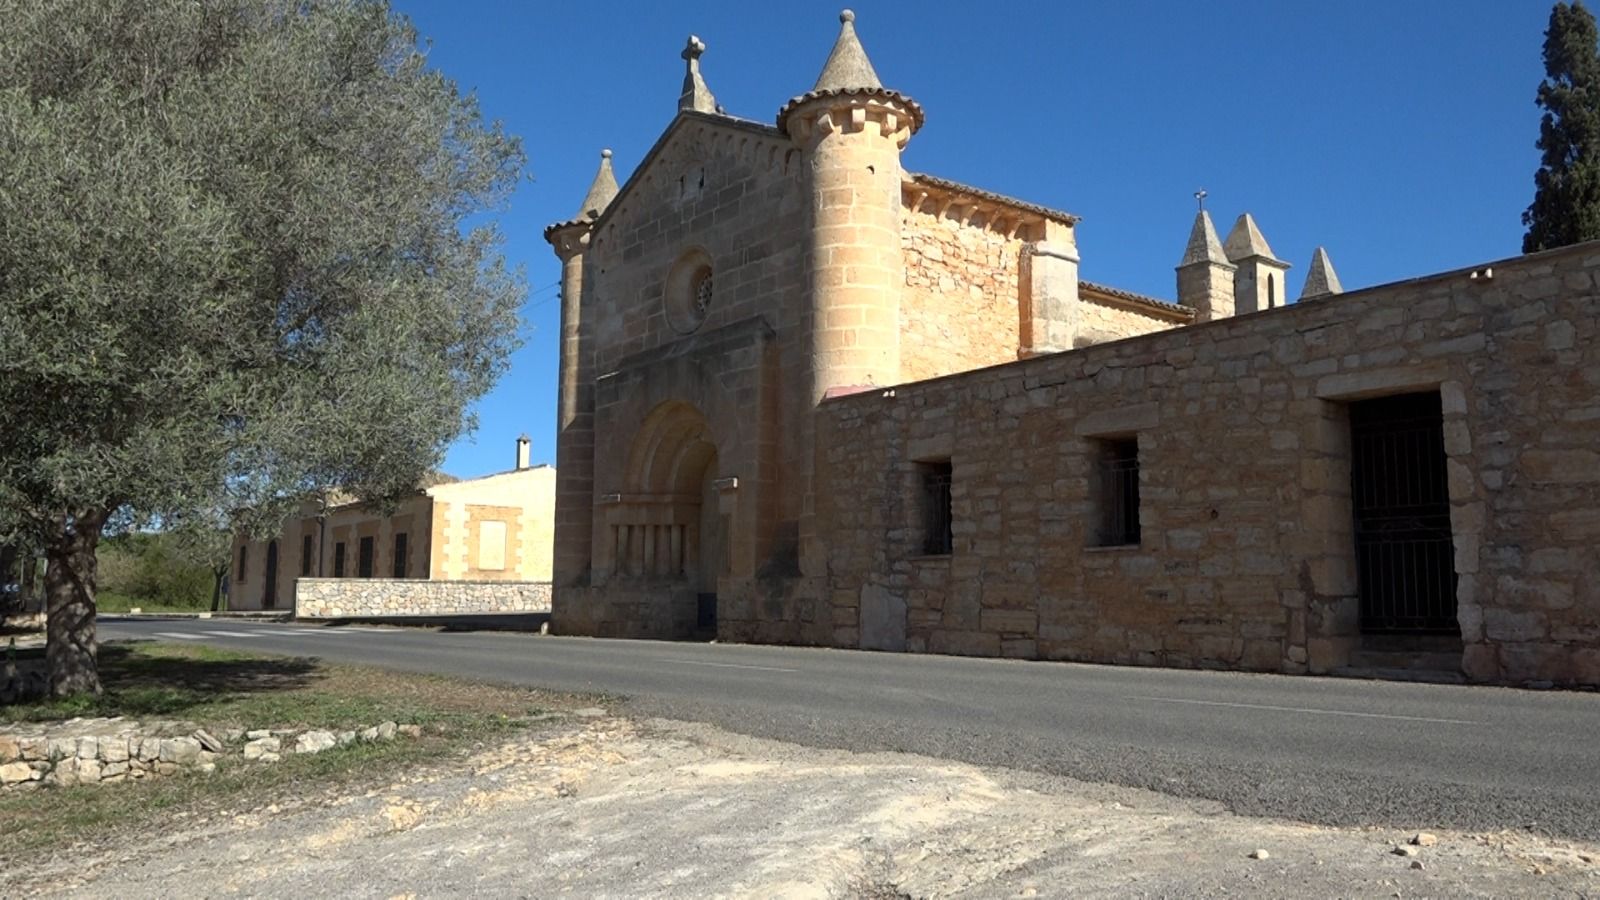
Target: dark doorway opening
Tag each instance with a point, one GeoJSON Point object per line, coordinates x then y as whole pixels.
{"type": "Point", "coordinates": [269, 593]}
{"type": "Point", "coordinates": [1405, 559]}
{"type": "Point", "coordinates": [705, 618]}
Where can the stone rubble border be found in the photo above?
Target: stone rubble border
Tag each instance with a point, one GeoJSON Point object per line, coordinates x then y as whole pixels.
{"type": "Point", "coordinates": [112, 750]}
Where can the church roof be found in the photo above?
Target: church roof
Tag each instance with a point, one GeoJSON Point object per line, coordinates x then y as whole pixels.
{"type": "Point", "coordinates": [848, 73]}
{"type": "Point", "coordinates": [934, 181]}
{"type": "Point", "coordinates": [1159, 307]}
{"type": "Point", "coordinates": [1246, 241]}
{"type": "Point", "coordinates": [1321, 280]}
{"type": "Point", "coordinates": [1203, 245]}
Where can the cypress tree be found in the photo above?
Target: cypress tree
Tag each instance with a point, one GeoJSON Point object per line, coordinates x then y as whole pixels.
{"type": "Point", "coordinates": [1566, 200]}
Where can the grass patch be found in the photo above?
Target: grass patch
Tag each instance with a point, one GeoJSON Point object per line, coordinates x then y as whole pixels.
{"type": "Point", "coordinates": [221, 689]}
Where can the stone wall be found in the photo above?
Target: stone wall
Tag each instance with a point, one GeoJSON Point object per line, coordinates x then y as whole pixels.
{"type": "Point", "coordinates": [1246, 555]}
{"type": "Point", "coordinates": [959, 310]}
{"type": "Point", "coordinates": [336, 598]}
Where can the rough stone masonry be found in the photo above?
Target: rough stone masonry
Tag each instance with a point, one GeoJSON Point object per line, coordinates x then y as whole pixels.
{"type": "Point", "coordinates": [810, 397]}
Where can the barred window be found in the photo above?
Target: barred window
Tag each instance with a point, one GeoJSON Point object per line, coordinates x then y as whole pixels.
{"type": "Point", "coordinates": [400, 555]}
{"type": "Point", "coordinates": [244, 555]}
{"type": "Point", "coordinates": [305, 555]}
{"type": "Point", "coordinates": [338, 560]}
{"type": "Point", "coordinates": [364, 558]}
{"type": "Point", "coordinates": [1116, 492]}
{"type": "Point", "coordinates": [935, 478]}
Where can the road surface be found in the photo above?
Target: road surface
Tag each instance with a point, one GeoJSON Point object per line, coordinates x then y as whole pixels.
{"type": "Point", "coordinates": [1330, 751]}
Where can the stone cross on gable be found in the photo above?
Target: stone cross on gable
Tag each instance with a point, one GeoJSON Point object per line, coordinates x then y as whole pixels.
{"type": "Point", "coordinates": [1200, 198]}
{"type": "Point", "coordinates": [695, 94]}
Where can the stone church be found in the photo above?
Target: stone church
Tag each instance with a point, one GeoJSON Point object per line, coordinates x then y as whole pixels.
{"type": "Point", "coordinates": [809, 397]}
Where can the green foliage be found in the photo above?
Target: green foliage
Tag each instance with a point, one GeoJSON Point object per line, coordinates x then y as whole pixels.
{"type": "Point", "coordinates": [234, 267]}
{"type": "Point", "coordinates": [150, 570]}
{"type": "Point", "coordinates": [244, 259]}
{"type": "Point", "coordinates": [1566, 201]}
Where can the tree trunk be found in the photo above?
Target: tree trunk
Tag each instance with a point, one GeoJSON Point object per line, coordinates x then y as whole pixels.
{"type": "Point", "coordinates": [31, 582]}
{"type": "Point", "coordinates": [28, 579]}
{"type": "Point", "coordinates": [69, 581]}
{"type": "Point", "coordinates": [9, 557]}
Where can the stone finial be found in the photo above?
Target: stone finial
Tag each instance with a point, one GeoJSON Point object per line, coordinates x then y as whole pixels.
{"type": "Point", "coordinates": [1321, 281]}
{"type": "Point", "coordinates": [847, 67]}
{"type": "Point", "coordinates": [1203, 244]}
{"type": "Point", "coordinates": [1246, 241]}
{"type": "Point", "coordinates": [696, 95]}
{"type": "Point", "coordinates": [601, 191]}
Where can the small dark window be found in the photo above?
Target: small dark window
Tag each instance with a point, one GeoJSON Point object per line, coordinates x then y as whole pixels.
{"type": "Point", "coordinates": [364, 559]}
{"type": "Point", "coordinates": [305, 555]}
{"type": "Point", "coordinates": [244, 554]}
{"type": "Point", "coordinates": [400, 555]}
{"type": "Point", "coordinates": [1272, 291]}
{"type": "Point", "coordinates": [934, 480]}
{"type": "Point", "coordinates": [338, 560]}
{"type": "Point", "coordinates": [1116, 492]}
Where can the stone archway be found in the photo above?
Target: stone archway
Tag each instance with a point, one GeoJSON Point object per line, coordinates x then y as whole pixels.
{"type": "Point", "coordinates": [668, 523]}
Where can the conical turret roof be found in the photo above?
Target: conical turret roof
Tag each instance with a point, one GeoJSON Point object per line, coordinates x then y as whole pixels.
{"type": "Point", "coordinates": [848, 71]}
{"type": "Point", "coordinates": [1203, 245]}
{"type": "Point", "coordinates": [847, 67]}
{"type": "Point", "coordinates": [1321, 280]}
{"type": "Point", "coordinates": [1246, 241]}
{"type": "Point", "coordinates": [601, 192]}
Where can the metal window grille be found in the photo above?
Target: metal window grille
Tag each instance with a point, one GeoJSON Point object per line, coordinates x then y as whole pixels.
{"type": "Point", "coordinates": [1119, 493]}
{"type": "Point", "coordinates": [364, 559]}
{"type": "Point", "coordinates": [305, 555]}
{"type": "Point", "coordinates": [1405, 557]}
{"type": "Point", "coordinates": [400, 555]}
{"type": "Point", "coordinates": [244, 554]}
{"type": "Point", "coordinates": [937, 539]}
{"type": "Point", "coordinates": [338, 560]}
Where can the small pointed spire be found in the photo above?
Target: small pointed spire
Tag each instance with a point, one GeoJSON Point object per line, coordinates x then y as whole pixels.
{"type": "Point", "coordinates": [696, 95]}
{"type": "Point", "coordinates": [1203, 244]}
{"type": "Point", "coordinates": [601, 191]}
{"type": "Point", "coordinates": [847, 67]}
{"type": "Point", "coordinates": [1321, 281]}
{"type": "Point", "coordinates": [1246, 240]}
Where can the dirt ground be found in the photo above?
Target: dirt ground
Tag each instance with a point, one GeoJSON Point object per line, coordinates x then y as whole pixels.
{"type": "Point", "coordinates": [609, 807]}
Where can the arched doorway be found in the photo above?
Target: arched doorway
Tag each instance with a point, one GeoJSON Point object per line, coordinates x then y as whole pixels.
{"type": "Point", "coordinates": [669, 525]}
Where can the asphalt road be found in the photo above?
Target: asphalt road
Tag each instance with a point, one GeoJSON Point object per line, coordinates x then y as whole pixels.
{"type": "Point", "coordinates": [1324, 750]}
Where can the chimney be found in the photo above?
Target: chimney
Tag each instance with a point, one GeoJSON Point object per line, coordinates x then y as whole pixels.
{"type": "Point", "coordinates": [523, 445]}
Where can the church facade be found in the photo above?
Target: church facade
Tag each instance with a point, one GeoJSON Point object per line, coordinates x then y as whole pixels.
{"type": "Point", "coordinates": [807, 396]}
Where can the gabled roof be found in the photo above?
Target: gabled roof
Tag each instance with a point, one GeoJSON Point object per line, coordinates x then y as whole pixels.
{"type": "Point", "coordinates": [685, 119]}
{"type": "Point", "coordinates": [981, 194]}
{"type": "Point", "coordinates": [1159, 308]}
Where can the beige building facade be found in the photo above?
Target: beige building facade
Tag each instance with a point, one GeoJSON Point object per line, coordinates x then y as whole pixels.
{"type": "Point", "coordinates": [496, 528]}
{"type": "Point", "coordinates": [810, 397]}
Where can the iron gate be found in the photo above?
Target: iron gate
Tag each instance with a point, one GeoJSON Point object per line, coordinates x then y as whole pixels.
{"type": "Point", "coordinates": [1405, 559]}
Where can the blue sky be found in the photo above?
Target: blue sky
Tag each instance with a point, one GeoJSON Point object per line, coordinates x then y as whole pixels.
{"type": "Point", "coordinates": [1397, 134]}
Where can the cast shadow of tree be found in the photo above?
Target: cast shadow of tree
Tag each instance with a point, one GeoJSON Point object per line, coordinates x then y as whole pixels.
{"type": "Point", "coordinates": [141, 685]}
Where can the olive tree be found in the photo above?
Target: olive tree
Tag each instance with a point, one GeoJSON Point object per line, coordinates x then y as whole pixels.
{"type": "Point", "coordinates": [246, 254]}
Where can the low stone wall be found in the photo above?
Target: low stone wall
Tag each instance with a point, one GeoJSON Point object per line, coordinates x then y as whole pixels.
{"type": "Point", "coordinates": [344, 598]}
{"type": "Point", "coordinates": [107, 751]}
